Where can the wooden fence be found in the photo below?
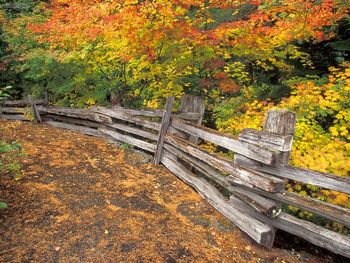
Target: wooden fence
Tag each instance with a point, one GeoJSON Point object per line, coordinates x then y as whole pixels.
{"type": "Point", "coordinates": [249, 190]}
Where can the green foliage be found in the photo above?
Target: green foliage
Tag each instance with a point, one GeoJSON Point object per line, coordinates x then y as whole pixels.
{"type": "Point", "coordinates": [126, 146]}
{"type": "Point", "coordinates": [3, 205]}
{"type": "Point", "coordinates": [9, 153]}
{"type": "Point", "coordinates": [5, 92]}
{"type": "Point", "coordinates": [14, 8]}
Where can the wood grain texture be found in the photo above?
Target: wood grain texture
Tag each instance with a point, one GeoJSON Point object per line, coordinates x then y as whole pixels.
{"type": "Point", "coordinates": [227, 141]}
{"type": "Point", "coordinates": [14, 117]}
{"type": "Point", "coordinates": [315, 234]}
{"type": "Point", "coordinates": [156, 113]}
{"type": "Point", "coordinates": [127, 117]}
{"type": "Point", "coordinates": [163, 129]}
{"type": "Point", "coordinates": [267, 139]}
{"type": "Point", "coordinates": [280, 122]}
{"type": "Point", "coordinates": [263, 234]}
{"type": "Point", "coordinates": [129, 140]}
{"type": "Point", "coordinates": [191, 103]}
{"type": "Point", "coordinates": [11, 110]}
{"type": "Point", "coordinates": [135, 112]}
{"type": "Point", "coordinates": [323, 209]}
{"type": "Point", "coordinates": [72, 127]}
{"type": "Point", "coordinates": [236, 173]}
{"type": "Point", "coordinates": [326, 180]}
{"type": "Point", "coordinates": [259, 203]}
{"type": "Point", "coordinates": [71, 120]}
{"type": "Point", "coordinates": [76, 113]}
{"type": "Point", "coordinates": [21, 103]}
{"type": "Point", "coordinates": [203, 167]}
{"type": "Point", "coordinates": [134, 130]}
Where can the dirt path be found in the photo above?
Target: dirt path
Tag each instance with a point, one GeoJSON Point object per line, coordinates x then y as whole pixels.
{"type": "Point", "coordinates": [82, 199]}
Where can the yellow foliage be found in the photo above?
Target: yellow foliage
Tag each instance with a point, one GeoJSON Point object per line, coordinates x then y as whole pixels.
{"type": "Point", "coordinates": [322, 146]}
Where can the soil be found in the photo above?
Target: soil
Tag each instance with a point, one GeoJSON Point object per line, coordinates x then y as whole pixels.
{"type": "Point", "coordinates": [83, 199]}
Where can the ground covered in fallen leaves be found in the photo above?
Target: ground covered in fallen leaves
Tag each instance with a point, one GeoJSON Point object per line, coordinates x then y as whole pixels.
{"type": "Point", "coordinates": [83, 199]}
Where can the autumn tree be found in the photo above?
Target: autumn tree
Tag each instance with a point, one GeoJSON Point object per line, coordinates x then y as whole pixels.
{"type": "Point", "coordinates": [150, 49]}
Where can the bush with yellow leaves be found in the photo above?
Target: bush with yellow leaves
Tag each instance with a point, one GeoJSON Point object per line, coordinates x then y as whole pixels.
{"type": "Point", "coordinates": [322, 136]}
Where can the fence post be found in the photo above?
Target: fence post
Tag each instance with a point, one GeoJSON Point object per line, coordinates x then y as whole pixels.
{"type": "Point", "coordinates": [191, 103]}
{"type": "Point", "coordinates": [35, 109]}
{"type": "Point", "coordinates": [46, 98]}
{"type": "Point", "coordinates": [163, 129]}
{"type": "Point", "coordinates": [281, 122]}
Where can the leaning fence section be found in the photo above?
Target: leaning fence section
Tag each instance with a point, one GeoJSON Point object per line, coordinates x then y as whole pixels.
{"type": "Point", "coordinates": [248, 190]}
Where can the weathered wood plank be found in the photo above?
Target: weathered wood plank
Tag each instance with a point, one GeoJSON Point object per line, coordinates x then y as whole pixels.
{"type": "Point", "coordinates": [236, 173]}
{"type": "Point", "coordinates": [190, 116]}
{"type": "Point", "coordinates": [177, 132]}
{"type": "Point", "coordinates": [329, 181]}
{"type": "Point", "coordinates": [14, 117]}
{"type": "Point", "coordinates": [134, 112]}
{"type": "Point", "coordinates": [261, 233]}
{"type": "Point", "coordinates": [229, 142]}
{"type": "Point", "coordinates": [157, 113]}
{"type": "Point", "coordinates": [11, 110]}
{"type": "Point", "coordinates": [260, 203]}
{"type": "Point", "coordinates": [315, 234]}
{"type": "Point", "coordinates": [323, 209]}
{"type": "Point", "coordinates": [76, 113]}
{"type": "Point", "coordinates": [326, 210]}
{"type": "Point", "coordinates": [71, 120]}
{"type": "Point", "coordinates": [267, 140]}
{"type": "Point", "coordinates": [163, 129]}
{"type": "Point", "coordinates": [20, 103]}
{"type": "Point", "coordinates": [127, 117]}
{"type": "Point", "coordinates": [203, 167]}
{"type": "Point", "coordinates": [72, 127]}
{"type": "Point", "coordinates": [129, 140]}
{"type": "Point", "coordinates": [134, 130]}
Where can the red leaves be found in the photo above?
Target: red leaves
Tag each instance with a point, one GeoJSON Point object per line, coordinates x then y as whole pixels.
{"type": "Point", "coordinates": [213, 64]}
{"type": "Point", "coordinates": [220, 75]}
{"type": "Point", "coordinates": [229, 85]}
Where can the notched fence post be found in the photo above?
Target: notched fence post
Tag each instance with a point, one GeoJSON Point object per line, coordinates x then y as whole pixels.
{"type": "Point", "coordinates": [281, 122]}
{"type": "Point", "coordinates": [277, 135]}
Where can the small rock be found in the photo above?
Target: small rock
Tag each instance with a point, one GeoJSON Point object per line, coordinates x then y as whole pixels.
{"type": "Point", "coordinates": [57, 249]}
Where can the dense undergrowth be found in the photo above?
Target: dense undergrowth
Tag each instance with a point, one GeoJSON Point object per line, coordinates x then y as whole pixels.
{"type": "Point", "coordinates": [244, 57]}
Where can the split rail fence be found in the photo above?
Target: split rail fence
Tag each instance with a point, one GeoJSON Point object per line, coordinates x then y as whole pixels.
{"type": "Point", "coordinates": [249, 190]}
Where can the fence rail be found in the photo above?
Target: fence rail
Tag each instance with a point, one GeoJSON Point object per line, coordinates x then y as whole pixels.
{"type": "Point", "coordinates": [253, 183]}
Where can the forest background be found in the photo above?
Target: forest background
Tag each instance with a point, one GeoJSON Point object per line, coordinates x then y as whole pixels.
{"type": "Point", "coordinates": [244, 57]}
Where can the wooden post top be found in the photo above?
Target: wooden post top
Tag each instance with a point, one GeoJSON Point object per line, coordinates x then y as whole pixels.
{"type": "Point", "coordinates": [280, 121]}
